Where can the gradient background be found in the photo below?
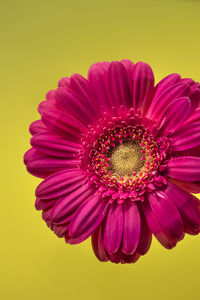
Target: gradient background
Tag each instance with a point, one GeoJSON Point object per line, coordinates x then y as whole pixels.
{"type": "Point", "coordinates": [42, 41]}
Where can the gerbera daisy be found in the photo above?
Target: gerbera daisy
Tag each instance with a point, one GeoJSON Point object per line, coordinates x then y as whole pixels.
{"type": "Point", "coordinates": [120, 158]}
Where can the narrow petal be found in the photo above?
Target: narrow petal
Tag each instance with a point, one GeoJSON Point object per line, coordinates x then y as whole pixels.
{"type": "Point", "coordinates": [88, 217]}
{"type": "Point", "coordinates": [112, 234]}
{"type": "Point", "coordinates": [165, 83]}
{"type": "Point", "coordinates": [60, 184]}
{"type": "Point", "coordinates": [143, 84]}
{"type": "Point", "coordinates": [186, 168]}
{"type": "Point", "coordinates": [47, 165]}
{"type": "Point", "coordinates": [63, 125]}
{"type": "Point", "coordinates": [66, 206]}
{"type": "Point", "coordinates": [119, 84]}
{"type": "Point", "coordinates": [174, 115]}
{"type": "Point", "coordinates": [186, 137]}
{"type": "Point", "coordinates": [98, 85]}
{"type": "Point", "coordinates": [166, 213]}
{"type": "Point", "coordinates": [145, 238]}
{"type": "Point", "coordinates": [53, 145]}
{"type": "Point", "coordinates": [37, 127]}
{"type": "Point", "coordinates": [185, 203]}
{"type": "Point", "coordinates": [67, 100]}
{"type": "Point", "coordinates": [97, 245]}
{"type": "Point", "coordinates": [132, 228]}
{"type": "Point", "coordinates": [159, 104]}
{"type": "Point", "coordinates": [162, 236]}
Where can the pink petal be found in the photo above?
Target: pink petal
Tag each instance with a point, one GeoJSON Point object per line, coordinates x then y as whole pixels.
{"type": "Point", "coordinates": [190, 187]}
{"type": "Point", "coordinates": [145, 238]}
{"type": "Point", "coordinates": [67, 205]}
{"type": "Point", "coordinates": [166, 213]}
{"type": "Point", "coordinates": [174, 115]}
{"type": "Point", "coordinates": [97, 245]}
{"type": "Point", "coordinates": [70, 102]}
{"type": "Point", "coordinates": [63, 125]}
{"type": "Point", "coordinates": [37, 127]}
{"type": "Point", "coordinates": [186, 168]}
{"type": "Point", "coordinates": [165, 83]}
{"type": "Point", "coordinates": [60, 184]}
{"type": "Point", "coordinates": [185, 204]}
{"type": "Point", "coordinates": [162, 236]}
{"type": "Point", "coordinates": [186, 137]}
{"type": "Point", "coordinates": [88, 217]}
{"type": "Point", "coordinates": [170, 94]}
{"type": "Point", "coordinates": [50, 144]}
{"type": "Point", "coordinates": [48, 165]}
{"type": "Point", "coordinates": [132, 228]}
{"type": "Point", "coordinates": [129, 65]}
{"type": "Point", "coordinates": [112, 234]}
{"type": "Point", "coordinates": [64, 82]}
{"type": "Point", "coordinates": [119, 85]}
{"type": "Point", "coordinates": [143, 84]}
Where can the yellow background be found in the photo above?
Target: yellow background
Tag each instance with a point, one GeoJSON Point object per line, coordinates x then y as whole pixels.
{"type": "Point", "coordinates": [42, 41]}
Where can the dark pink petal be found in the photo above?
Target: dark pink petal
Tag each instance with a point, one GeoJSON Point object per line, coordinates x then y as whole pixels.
{"type": "Point", "coordinates": [129, 65]}
{"type": "Point", "coordinates": [97, 245]}
{"type": "Point", "coordinates": [189, 152]}
{"type": "Point", "coordinates": [112, 234]}
{"type": "Point", "coordinates": [88, 217]}
{"type": "Point", "coordinates": [195, 100]}
{"type": "Point", "coordinates": [67, 205]}
{"type": "Point", "coordinates": [159, 104]}
{"type": "Point", "coordinates": [60, 230]}
{"type": "Point", "coordinates": [51, 144]}
{"type": "Point", "coordinates": [186, 137]}
{"type": "Point", "coordinates": [191, 187]}
{"type": "Point", "coordinates": [37, 127]}
{"type": "Point", "coordinates": [49, 104]}
{"type": "Point", "coordinates": [129, 259]}
{"type": "Point", "coordinates": [174, 115]}
{"type": "Point", "coordinates": [48, 165]}
{"type": "Point", "coordinates": [143, 84]}
{"type": "Point", "coordinates": [162, 236]}
{"type": "Point", "coordinates": [44, 204]}
{"type": "Point", "coordinates": [166, 213]}
{"type": "Point", "coordinates": [64, 82]}
{"type": "Point", "coordinates": [31, 154]}
{"type": "Point", "coordinates": [60, 184]}
{"type": "Point", "coordinates": [145, 238]}
{"type": "Point", "coordinates": [186, 168]}
{"type": "Point", "coordinates": [97, 78]}
{"type": "Point", "coordinates": [63, 125]}
{"type": "Point", "coordinates": [194, 117]}
{"type": "Point", "coordinates": [165, 83]}
{"type": "Point", "coordinates": [70, 102]}
{"type": "Point", "coordinates": [185, 203]}
{"type": "Point", "coordinates": [132, 228]}
{"type": "Point", "coordinates": [119, 84]}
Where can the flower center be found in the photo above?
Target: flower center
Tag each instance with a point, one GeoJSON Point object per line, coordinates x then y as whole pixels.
{"type": "Point", "coordinates": [126, 159]}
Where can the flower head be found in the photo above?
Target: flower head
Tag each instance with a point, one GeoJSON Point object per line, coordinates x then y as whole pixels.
{"type": "Point", "coordinates": [120, 158]}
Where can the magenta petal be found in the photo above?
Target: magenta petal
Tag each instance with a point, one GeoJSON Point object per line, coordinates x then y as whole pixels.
{"type": "Point", "coordinates": [48, 165]}
{"type": "Point", "coordinates": [186, 137]}
{"type": "Point", "coordinates": [88, 217]}
{"type": "Point", "coordinates": [194, 117]}
{"type": "Point", "coordinates": [70, 102]}
{"type": "Point", "coordinates": [162, 236]}
{"type": "Point", "coordinates": [165, 83]}
{"type": "Point", "coordinates": [97, 245]}
{"type": "Point", "coordinates": [97, 78]}
{"type": "Point", "coordinates": [185, 203]}
{"type": "Point", "coordinates": [159, 104]}
{"type": "Point", "coordinates": [63, 125]}
{"type": "Point", "coordinates": [174, 115]}
{"type": "Point", "coordinates": [64, 82]}
{"type": "Point", "coordinates": [143, 84]}
{"type": "Point", "coordinates": [166, 213]}
{"type": "Point", "coordinates": [132, 228]}
{"type": "Point", "coordinates": [186, 168]}
{"type": "Point", "coordinates": [60, 184]}
{"type": "Point", "coordinates": [66, 206]}
{"type": "Point", "coordinates": [145, 238]}
{"type": "Point", "coordinates": [119, 85]}
{"type": "Point", "coordinates": [112, 234]}
{"type": "Point", "coordinates": [50, 144]}
{"type": "Point", "coordinates": [37, 127]}
{"type": "Point", "coordinates": [129, 65]}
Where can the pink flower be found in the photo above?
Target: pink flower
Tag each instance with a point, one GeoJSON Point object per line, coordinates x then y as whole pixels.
{"type": "Point", "coordinates": [120, 158]}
